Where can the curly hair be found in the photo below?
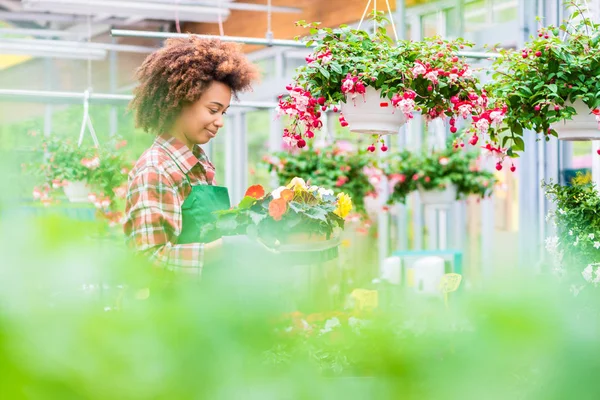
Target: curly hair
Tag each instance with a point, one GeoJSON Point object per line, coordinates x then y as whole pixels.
{"type": "Point", "coordinates": [180, 72]}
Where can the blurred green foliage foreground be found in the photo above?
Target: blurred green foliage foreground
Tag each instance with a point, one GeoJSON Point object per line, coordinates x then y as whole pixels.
{"type": "Point", "coordinates": [74, 325]}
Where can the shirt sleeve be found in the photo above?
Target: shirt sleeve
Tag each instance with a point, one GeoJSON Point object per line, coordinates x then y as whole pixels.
{"type": "Point", "coordinates": [153, 221]}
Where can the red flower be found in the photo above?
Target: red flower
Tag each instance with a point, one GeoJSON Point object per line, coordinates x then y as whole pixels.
{"type": "Point", "coordinates": [255, 191]}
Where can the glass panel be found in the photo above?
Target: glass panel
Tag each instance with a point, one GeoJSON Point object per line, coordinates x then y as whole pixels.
{"type": "Point", "coordinates": [452, 23]}
{"type": "Point", "coordinates": [429, 25]}
{"type": "Point", "coordinates": [476, 15]}
{"type": "Point", "coordinates": [257, 137]}
{"type": "Point", "coordinates": [505, 11]}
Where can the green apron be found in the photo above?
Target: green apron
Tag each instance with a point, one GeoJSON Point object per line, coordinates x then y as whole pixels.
{"type": "Point", "coordinates": [197, 211]}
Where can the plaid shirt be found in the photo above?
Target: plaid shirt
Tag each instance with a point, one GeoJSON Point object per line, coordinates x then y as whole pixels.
{"type": "Point", "coordinates": [157, 188]}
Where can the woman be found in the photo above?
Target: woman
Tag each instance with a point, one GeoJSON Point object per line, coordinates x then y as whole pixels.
{"type": "Point", "coordinates": [185, 89]}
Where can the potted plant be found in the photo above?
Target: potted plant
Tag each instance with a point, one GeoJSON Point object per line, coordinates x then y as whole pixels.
{"type": "Point", "coordinates": [440, 176]}
{"type": "Point", "coordinates": [82, 174]}
{"type": "Point", "coordinates": [293, 215]}
{"type": "Point", "coordinates": [338, 166]}
{"type": "Point", "coordinates": [379, 83]}
{"type": "Point", "coordinates": [551, 86]}
{"type": "Point", "coordinates": [576, 247]}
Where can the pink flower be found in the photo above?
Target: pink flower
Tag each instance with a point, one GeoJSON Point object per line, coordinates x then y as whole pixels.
{"type": "Point", "coordinates": [348, 84]}
{"type": "Point", "coordinates": [482, 125]}
{"type": "Point", "coordinates": [120, 191]}
{"type": "Point", "coordinates": [444, 161]}
{"type": "Point", "coordinates": [91, 163]}
{"type": "Point", "coordinates": [418, 70]}
{"type": "Point", "coordinates": [37, 193]}
{"type": "Point", "coordinates": [432, 76]}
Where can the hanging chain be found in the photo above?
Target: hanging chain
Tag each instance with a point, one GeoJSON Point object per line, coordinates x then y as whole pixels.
{"type": "Point", "coordinates": [269, 17]}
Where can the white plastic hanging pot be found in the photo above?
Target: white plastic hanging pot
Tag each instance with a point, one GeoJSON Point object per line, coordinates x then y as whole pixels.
{"type": "Point", "coordinates": [77, 192]}
{"type": "Point", "coordinates": [364, 114]}
{"type": "Point", "coordinates": [438, 197]}
{"type": "Point", "coordinates": [582, 127]}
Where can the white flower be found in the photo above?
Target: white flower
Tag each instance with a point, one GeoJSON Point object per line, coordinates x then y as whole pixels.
{"type": "Point", "coordinates": [591, 236]}
{"type": "Point", "coordinates": [277, 192]}
{"type": "Point", "coordinates": [587, 273]}
{"type": "Point", "coordinates": [576, 241]}
{"type": "Point", "coordinates": [561, 211]}
{"type": "Point", "coordinates": [597, 245]}
{"type": "Point", "coordinates": [571, 232]}
{"type": "Point", "coordinates": [325, 192]}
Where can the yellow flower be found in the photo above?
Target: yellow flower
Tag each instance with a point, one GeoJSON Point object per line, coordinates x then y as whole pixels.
{"type": "Point", "coordinates": [344, 205]}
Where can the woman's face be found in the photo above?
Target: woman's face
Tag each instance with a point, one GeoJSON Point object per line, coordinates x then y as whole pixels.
{"type": "Point", "coordinates": [199, 122]}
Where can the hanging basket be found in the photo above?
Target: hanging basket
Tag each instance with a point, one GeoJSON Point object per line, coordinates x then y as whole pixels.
{"type": "Point", "coordinates": [445, 196]}
{"type": "Point", "coordinates": [582, 127]}
{"type": "Point", "coordinates": [364, 114]}
{"type": "Point", "coordinates": [77, 192]}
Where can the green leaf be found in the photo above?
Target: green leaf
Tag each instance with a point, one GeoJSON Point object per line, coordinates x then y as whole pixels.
{"type": "Point", "coordinates": [519, 144]}
{"type": "Point", "coordinates": [227, 224]}
{"type": "Point", "coordinates": [325, 73]}
{"type": "Point", "coordinates": [553, 88]}
{"type": "Point", "coordinates": [246, 203]}
{"type": "Point", "coordinates": [256, 217]}
{"type": "Point", "coordinates": [317, 213]}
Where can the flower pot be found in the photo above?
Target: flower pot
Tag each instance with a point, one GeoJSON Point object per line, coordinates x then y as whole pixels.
{"type": "Point", "coordinates": [438, 197]}
{"type": "Point", "coordinates": [364, 114]}
{"type": "Point", "coordinates": [77, 192]}
{"type": "Point", "coordinates": [583, 126]}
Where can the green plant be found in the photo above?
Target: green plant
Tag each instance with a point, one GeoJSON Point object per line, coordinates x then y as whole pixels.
{"type": "Point", "coordinates": [289, 212]}
{"type": "Point", "coordinates": [435, 170]}
{"type": "Point", "coordinates": [426, 76]}
{"type": "Point", "coordinates": [540, 82]}
{"type": "Point", "coordinates": [335, 166]}
{"type": "Point", "coordinates": [577, 218]}
{"type": "Point", "coordinates": [104, 169]}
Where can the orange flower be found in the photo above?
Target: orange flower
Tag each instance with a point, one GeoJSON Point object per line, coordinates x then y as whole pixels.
{"type": "Point", "coordinates": [287, 195]}
{"type": "Point", "coordinates": [255, 191]}
{"type": "Point", "coordinates": [277, 208]}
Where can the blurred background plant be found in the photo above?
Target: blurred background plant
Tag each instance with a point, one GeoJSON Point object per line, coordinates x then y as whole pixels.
{"type": "Point", "coordinates": [75, 324]}
{"type": "Point", "coordinates": [340, 167]}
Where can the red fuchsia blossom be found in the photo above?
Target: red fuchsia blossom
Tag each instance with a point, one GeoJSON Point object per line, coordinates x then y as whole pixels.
{"type": "Point", "coordinates": [91, 163]}
{"type": "Point", "coordinates": [341, 181]}
{"type": "Point", "coordinates": [405, 102]}
{"type": "Point", "coordinates": [596, 112]}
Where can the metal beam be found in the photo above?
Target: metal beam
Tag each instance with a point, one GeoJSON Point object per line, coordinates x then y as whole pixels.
{"type": "Point", "coordinates": [50, 97]}
{"type": "Point", "coordinates": [50, 17]}
{"type": "Point", "coordinates": [256, 41]}
{"type": "Point", "coordinates": [236, 39]}
{"type": "Point", "coordinates": [232, 5]}
{"type": "Point", "coordinates": [40, 33]}
{"type": "Point", "coordinates": [52, 45]}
